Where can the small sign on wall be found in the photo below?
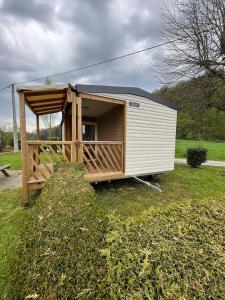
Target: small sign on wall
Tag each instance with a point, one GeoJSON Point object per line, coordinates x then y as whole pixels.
{"type": "Point", "coordinates": [134, 104]}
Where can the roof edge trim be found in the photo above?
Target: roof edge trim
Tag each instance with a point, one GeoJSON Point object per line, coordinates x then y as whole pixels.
{"type": "Point", "coordinates": [86, 88]}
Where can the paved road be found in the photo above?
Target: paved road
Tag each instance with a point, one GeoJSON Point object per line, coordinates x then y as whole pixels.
{"type": "Point", "coordinates": [214, 163]}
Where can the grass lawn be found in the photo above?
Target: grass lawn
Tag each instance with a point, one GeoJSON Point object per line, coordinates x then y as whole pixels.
{"type": "Point", "coordinates": [11, 158]}
{"type": "Point", "coordinates": [13, 219]}
{"type": "Point", "coordinates": [15, 159]}
{"type": "Point", "coordinates": [216, 150]}
{"type": "Point", "coordinates": [128, 200]}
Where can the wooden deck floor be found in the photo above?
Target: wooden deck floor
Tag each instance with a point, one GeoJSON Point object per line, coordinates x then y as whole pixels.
{"type": "Point", "coordinates": [104, 176]}
{"type": "Point", "coordinates": [42, 173]}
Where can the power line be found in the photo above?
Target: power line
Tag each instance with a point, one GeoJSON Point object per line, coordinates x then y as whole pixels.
{"type": "Point", "coordinates": [98, 63]}
{"type": "Point", "coordinates": [95, 64]}
{"type": "Point", "coordinates": [101, 62]}
{"type": "Point", "coordinates": [5, 87]}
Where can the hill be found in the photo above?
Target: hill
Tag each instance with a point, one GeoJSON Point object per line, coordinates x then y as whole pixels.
{"type": "Point", "coordinates": [201, 108]}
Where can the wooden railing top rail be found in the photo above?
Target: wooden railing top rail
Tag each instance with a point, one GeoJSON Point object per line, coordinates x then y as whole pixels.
{"type": "Point", "coordinates": [103, 142]}
{"type": "Point", "coordinates": [37, 142]}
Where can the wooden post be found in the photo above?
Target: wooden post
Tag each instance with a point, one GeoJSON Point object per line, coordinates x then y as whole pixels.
{"type": "Point", "coordinates": [38, 138]}
{"type": "Point", "coordinates": [79, 130]}
{"type": "Point", "coordinates": [74, 129]}
{"type": "Point", "coordinates": [37, 127]}
{"type": "Point", "coordinates": [23, 148]}
{"type": "Point", "coordinates": [15, 133]}
{"type": "Point", "coordinates": [124, 137]}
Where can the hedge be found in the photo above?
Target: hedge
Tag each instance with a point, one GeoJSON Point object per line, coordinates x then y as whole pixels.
{"type": "Point", "coordinates": [59, 254]}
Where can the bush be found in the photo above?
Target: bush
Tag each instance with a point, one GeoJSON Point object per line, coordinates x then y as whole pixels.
{"type": "Point", "coordinates": [196, 156]}
{"type": "Point", "coordinates": [59, 254]}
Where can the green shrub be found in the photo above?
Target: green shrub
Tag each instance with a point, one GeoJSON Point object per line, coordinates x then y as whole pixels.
{"type": "Point", "coordinates": [59, 254]}
{"type": "Point", "coordinates": [196, 156]}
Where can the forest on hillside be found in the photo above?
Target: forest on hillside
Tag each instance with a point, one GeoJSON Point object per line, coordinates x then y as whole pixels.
{"type": "Point", "coordinates": [201, 108]}
{"type": "Point", "coordinates": [6, 135]}
{"type": "Point", "coordinates": [193, 66]}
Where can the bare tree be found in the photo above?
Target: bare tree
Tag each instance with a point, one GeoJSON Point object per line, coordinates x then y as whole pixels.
{"type": "Point", "coordinates": [197, 28]}
{"type": "Point", "coordinates": [49, 119]}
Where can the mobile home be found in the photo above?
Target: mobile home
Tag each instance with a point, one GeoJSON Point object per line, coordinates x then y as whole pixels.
{"type": "Point", "coordinates": [116, 132]}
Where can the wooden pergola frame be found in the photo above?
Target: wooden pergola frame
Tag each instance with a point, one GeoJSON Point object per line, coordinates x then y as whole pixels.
{"type": "Point", "coordinates": [52, 99]}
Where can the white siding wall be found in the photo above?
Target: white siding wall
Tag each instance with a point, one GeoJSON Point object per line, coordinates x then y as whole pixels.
{"type": "Point", "coordinates": [150, 136]}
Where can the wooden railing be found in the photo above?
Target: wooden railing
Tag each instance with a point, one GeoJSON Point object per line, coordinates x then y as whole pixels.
{"type": "Point", "coordinates": [97, 157]}
{"type": "Point", "coordinates": [41, 156]}
{"type": "Point", "coordinates": [102, 156]}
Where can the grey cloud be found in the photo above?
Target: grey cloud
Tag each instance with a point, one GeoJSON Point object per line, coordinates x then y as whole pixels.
{"type": "Point", "coordinates": [72, 33]}
{"type": "Point", "coordinates": [28, 9]}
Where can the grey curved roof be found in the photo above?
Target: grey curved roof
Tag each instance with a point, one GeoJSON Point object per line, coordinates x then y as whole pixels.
{"type": "Point", "coordinates": [86, 88]}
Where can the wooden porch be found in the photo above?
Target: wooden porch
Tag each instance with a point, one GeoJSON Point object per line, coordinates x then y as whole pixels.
{"type": "Point", "coordinates": [82, 116]}
{"type": "Point", "coordinates": [99, 158]}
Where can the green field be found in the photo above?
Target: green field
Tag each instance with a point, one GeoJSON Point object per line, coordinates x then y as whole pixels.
{"type": "Point", "coordinates": [15, 159]}
{"type": "Point", "coordinates": [188, 215]}
{"type": "Point", "coordinates": [11, 158]}
{"type": "Point", "coordinates": [216, 150]}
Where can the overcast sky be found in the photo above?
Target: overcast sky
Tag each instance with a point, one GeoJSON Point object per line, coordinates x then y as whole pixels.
{"type": "Point", "coordinates": [39, 37]}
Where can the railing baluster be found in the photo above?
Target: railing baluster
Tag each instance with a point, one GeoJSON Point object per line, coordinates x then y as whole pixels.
{"type": "Point", "coordinates": [97, 156]}
{"type": "Point", "coordinates": [102, 156]}
{"type": "Point", "coordinates": [40, 164]}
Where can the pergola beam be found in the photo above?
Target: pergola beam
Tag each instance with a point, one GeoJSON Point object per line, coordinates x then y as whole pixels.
{"type": "Point", "coordinates": [45, 97]}
{"type": "Point", "coordinates": [47, 107]}
{"type": "Point", "coordinates": [43, 92]}
{"type": "Point", "coordinates": [36, 104]}
{"type": "Point", "coordinates": [47, 112]}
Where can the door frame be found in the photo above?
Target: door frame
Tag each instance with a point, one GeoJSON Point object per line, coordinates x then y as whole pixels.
{"type": "Point", "coordinates": [91, 123]}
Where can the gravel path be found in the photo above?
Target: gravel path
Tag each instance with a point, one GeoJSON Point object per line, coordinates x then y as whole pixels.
{"type": "Point", "coordinates": [213, 163]}
{"type": "Point", "coordinates": [14, 181]}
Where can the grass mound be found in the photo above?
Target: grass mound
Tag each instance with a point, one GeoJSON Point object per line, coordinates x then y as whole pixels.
{"type": "Point", "coordinates": [174, 253]}
{"type": "Point", "coordinates": [125, 242]}
{"type": "Point", "coordinates": [59, 255]}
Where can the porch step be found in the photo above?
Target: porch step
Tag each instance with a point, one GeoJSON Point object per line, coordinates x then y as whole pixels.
{"type": "Point", "coordinates": [36, 181]}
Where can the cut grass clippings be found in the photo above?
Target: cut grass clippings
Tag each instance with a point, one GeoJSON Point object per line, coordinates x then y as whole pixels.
{"type": "Point", "coordinates": [172, 253]}
{"type": "Point", "coordinates": [59, 256]}
{"type": "Point", "coordinates": [125, 241]}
